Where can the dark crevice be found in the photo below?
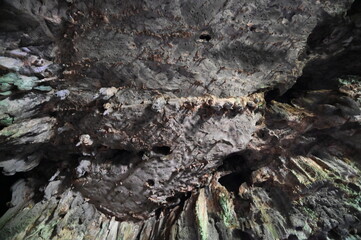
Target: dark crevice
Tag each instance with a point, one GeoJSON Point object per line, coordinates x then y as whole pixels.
{"type": "Point", "coordinates": [272, 95]}
{"type": "Point", "coordinates": [334, 234]}
{"type": "Point", "coordinates": [178, 199]}
{"type": "Point", "coordinates": [239, 234]}
{"type": "Point", "coordinates": [6, 193]}
{"type": "Point", "coordinates": [164, 150]}
{"type": "Point", "coordinates": [233, 162]}
{"type": "Point", "coordinates": [355, 8]}
{"type": "Point", "coordinates": [158, 212]}
{"type": "Point", "coordinates": [318, 236]}
{"type": "Point", "coordinates": [54, 232]}
{"type": "Point", "coordinates": [240, 172]}
{"type": "Point", "coordinates": [232, 181]}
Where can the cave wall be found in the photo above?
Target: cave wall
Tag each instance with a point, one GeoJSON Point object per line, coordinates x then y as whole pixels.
{"type": "Point", "coordinates": [180, 120]}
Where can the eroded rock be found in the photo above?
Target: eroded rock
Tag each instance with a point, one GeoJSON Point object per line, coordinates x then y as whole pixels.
{"type": "Point", "coordinates": [166, 120]}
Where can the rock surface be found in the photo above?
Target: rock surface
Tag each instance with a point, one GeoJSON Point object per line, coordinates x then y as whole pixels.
{"type": "Point", "coordinates": [181, 120]}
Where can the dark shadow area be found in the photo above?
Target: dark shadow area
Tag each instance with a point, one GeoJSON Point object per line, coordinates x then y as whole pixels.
{"type": "Point", "coordinates": [272, 95]}
{"type": "Point", "coordinates": [12, 20]}
{"type": "Point", "coordinates": [150, 182]}
{"type": "Point", "coordinates": [324, 73]}
{"type": "Point", "coordinates": [232, 181]}
{"type": "Point", "coordinates": [119, 156]}
{"type": "Point", "coordinates": [292, 237]}
{"type": "Point", "coordinates": [339, 38]}
{"type": "Point", "coordinates": [206, 37]}
{"type": "Point", "coordinates": [172, 211]}
{"type": "Point", "coordinates": [5, 189]}
{"type": "Point", "coordinates": [243, 235]}
{"type": "Point", "coordinates": [240, 172]}
{"type": "Point", "coordinates": [319, 236]}
{"type": "Point", "coordinates": [355, 8]}
{"type": "Point", "coordinates": [164, 150]}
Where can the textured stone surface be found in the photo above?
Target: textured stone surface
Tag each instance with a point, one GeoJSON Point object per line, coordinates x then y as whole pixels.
{"type": "Point", "coordinates": [189, 48]}
{"type": "Point", "coordinates": [178, 119]}
{"type": "Point", "coordinates": [188, 145]}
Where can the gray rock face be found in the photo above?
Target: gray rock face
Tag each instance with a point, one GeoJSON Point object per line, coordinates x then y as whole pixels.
{"type": "Point", "coordinates": [163, 120]}
{"type": "Point", "coordinates": [189, 143]}
{"type": "Point", "coordinates": [191, 48]}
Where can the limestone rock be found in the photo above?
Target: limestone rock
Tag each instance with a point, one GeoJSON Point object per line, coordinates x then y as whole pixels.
{"type": "Point", "coordinates": [183, 119]}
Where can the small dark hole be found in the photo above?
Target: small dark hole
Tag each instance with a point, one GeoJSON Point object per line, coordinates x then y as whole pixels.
{"type": "Point", "coordinates": [165, 150]}
{"type": "Point", "coordinates": [299, 228]}
{"type": "Point", "coordinates": [259, 122]}
{"type": "Point", "coordinates": [252, 28]}
{"type": "Point", "coordinates": [263, 134]}
{"type": "Point", "coordinates": [150, 182]}
{"type": "Point", "coordinates": [206, 37]}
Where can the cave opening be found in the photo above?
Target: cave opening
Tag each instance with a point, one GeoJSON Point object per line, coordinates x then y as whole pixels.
{"type": "Point", "coordinates": [239, 170]}
{"type": "Point", "coordinates": [271, 95]}
{"type": "Point", "coordinates": [232, 181]}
